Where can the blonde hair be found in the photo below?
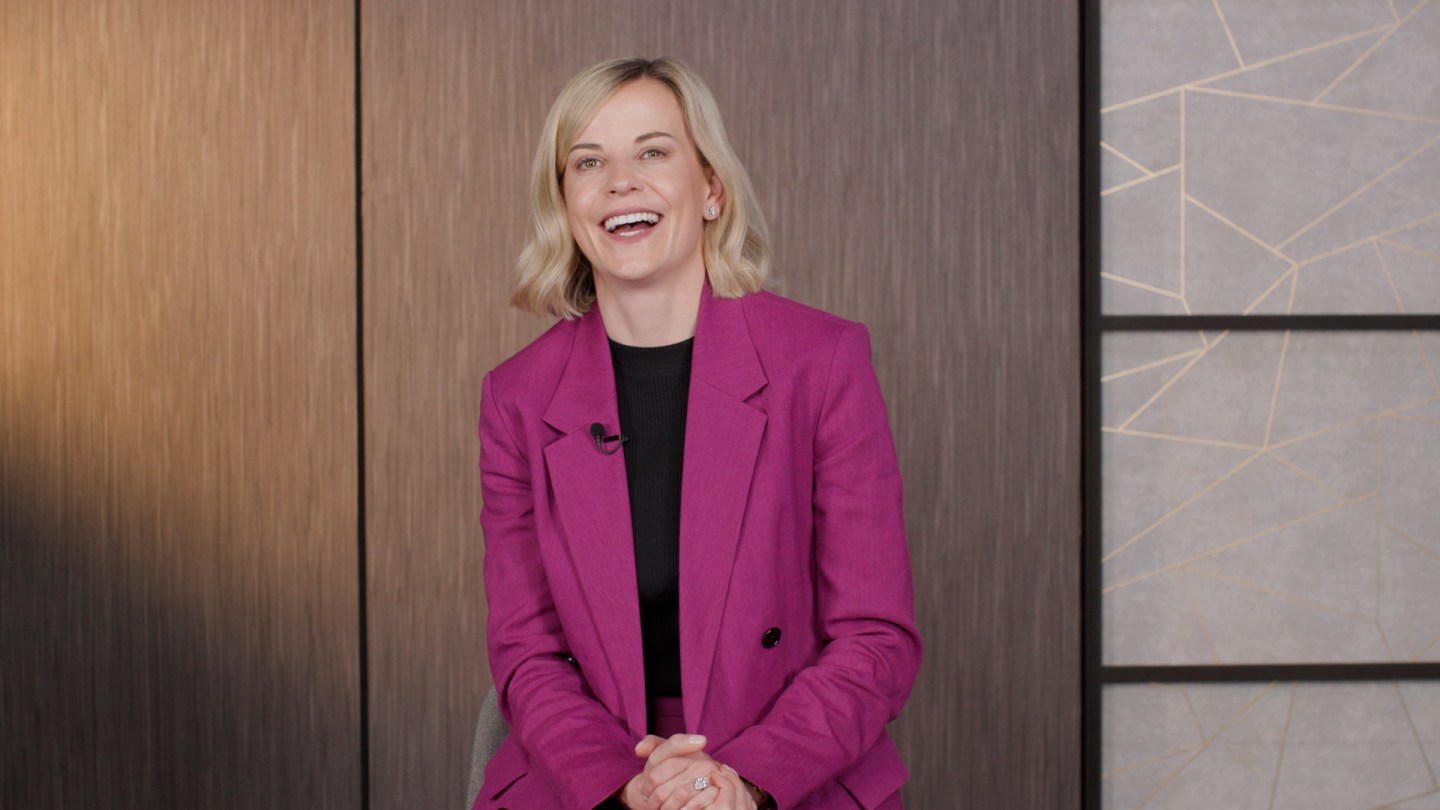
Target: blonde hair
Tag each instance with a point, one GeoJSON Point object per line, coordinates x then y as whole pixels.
{"type": "Point", "coordinates": [553, 276]}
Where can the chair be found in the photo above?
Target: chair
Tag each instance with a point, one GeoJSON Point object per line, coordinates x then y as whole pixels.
{"type": "Point", "coordinates": [490, 731]}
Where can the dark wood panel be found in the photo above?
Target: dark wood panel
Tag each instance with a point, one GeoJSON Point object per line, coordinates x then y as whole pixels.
{"type": "Point", "coordinates": [919, 165]}
{"type": "Point", "coordinates": [178, 589]}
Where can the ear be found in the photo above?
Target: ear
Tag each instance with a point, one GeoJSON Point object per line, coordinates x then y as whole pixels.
{"type": "Point", "coordinates": [717, 189]}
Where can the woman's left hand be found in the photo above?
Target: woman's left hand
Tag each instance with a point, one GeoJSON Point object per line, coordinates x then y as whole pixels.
{"type": "Point", "coordinates": [672, 770]}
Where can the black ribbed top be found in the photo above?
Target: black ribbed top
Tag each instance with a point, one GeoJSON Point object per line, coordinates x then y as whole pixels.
{"type": "Point", "coordinates": [653, 385]}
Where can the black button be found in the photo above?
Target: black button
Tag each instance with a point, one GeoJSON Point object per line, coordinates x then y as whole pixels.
{"type": "Point", "coordinates": [771, 637]}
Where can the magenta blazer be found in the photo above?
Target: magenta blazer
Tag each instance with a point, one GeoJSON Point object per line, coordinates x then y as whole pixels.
{"type": "Point", "coordinates": [798, 640]}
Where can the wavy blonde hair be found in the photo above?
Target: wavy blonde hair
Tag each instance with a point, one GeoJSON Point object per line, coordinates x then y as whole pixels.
{"type": "Point", "coordinates": [553, 276]}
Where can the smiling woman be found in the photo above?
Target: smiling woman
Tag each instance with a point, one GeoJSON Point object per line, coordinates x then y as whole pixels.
{"type": "Point", "coordinates": [742, 641]}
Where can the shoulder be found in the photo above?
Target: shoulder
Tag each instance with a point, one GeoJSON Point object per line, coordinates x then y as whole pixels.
{"type": "Point", "coordinates": [534, 371]}
{"type": "Point", "coordinates": [787, 331]}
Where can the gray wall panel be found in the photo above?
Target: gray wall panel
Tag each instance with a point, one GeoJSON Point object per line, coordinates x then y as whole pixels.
{"type": "Point", "coordinates": [918, 163]}
{"type": "Point", "coordinates": [178, 595]}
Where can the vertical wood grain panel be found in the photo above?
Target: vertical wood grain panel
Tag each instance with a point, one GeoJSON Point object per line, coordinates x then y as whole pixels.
{"type": "Point", "coordinates": [919, 164]}
{"type": "Point", "coordinates": [178, 590]}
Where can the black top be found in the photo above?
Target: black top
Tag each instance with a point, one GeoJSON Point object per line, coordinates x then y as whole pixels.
{"type": "Point", "coordinates": [653, 385]}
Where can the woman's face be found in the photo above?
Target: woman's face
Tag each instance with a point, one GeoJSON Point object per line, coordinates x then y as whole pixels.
{"type": "Point", "coordinates": [635, 192]}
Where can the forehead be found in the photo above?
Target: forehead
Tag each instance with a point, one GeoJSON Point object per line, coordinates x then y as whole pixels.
{"type": "Point", "coordinates": [636, 108]}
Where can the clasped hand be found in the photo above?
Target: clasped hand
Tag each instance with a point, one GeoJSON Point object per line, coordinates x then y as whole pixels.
{"type": "Point", "coordinates": [673, 768]}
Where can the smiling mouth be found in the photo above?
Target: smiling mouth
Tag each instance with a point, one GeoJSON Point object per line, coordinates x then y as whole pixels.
{"type": "Point", "coordinates": [632, 223]}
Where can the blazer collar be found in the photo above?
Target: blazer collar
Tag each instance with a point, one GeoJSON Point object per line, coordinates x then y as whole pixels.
{"type": "Point", "coordinates": [724, 356]}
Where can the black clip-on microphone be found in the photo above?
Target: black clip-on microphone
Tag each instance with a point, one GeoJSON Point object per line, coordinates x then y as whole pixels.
{"type": "Point", "coordinates": [598, 431]}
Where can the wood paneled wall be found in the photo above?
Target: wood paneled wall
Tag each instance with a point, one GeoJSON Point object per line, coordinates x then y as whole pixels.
{"type": "Point", "coordinates": [919, 164]}
{"type": "Point", "coordinates": [178, 587]}
{"type": "Point", "coordinates": [179, 445]}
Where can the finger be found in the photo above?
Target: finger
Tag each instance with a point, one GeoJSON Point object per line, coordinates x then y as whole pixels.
{"type": "Point", "coordinates": [726, 794]}
{"type": "Point", "coordinates": [703, 799]}
{"type": "Point", "coordinates": [667, 776]}
{"type": "Point", "coordinates": [674, 776]}
{"type": "Point", "coordinates": [647, 745]}
{"type": "Point", "coordinates": [677, 745]}
{"type": "Point", "coordinates": [686, 794]}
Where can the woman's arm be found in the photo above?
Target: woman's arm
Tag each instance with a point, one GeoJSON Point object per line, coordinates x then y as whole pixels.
{"type": "Point", "coordinates": [582, 750]}
{"type": "Point", "coordinates": [836, 709]}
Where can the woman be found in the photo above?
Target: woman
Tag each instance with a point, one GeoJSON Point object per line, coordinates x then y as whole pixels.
{"type": "Point", "coordinates": [737, 642]}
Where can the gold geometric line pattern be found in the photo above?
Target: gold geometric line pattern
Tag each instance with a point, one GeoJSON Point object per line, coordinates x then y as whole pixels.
{"type": "Point", "coordinates": [1394, 12]}
{"type": "Point", "coordinates": [1410, 541]}
{"type": "Point", "coordinates": [1385, 642]}
{"type": "Point", "coordinates": [1405, 707]}
{"type": "Point", "coordinates": [1396, 804]}
{"type": "Point", "coordinates": [1294, 285]}
{"type": "Point", "coordinates": [1284, 738]}
{"type": "Point", "coordinates": [1152, 761]}
{"type": "Point", "coordinates": [1130, 282]}
{"type": "Point", "coordinates": [1425, 254]}
{"type": "Point", "coordinates": [1147, 366]}
{"type": "Point", "coordinates": [1425, 358]}
{"type": "Point", "coordinates": [1184, 259]}
{"type": "Point", "coordinates": [1166, 387]}
{"type": "Point", "coordinates": [1389, 279]}
{"type": "Point", "coordinates": [1315, 434]}
{"type": "Point", "coordinates": [1359, 191]}
{"type": "Point", "coordinates": [1137, 181]}
{"type": "Point", "coordinates": [1379, 529]}
{"type": "Point", "coordinates": [1424, 651]}
{"type": "Point", "coordinates": [1170, 437]}
{"type": "Point", "coordinates": [1314, 105]}
{"type": "Point", "coordinates": [1293, 691]}
{"type": "Point", "coordinates": [1308, 49]}
{"type": "Point", "coordinates": [1288, 275]}
{"type": "Point", "coordinates": [1275, 392]}
{"type": "Point", "coordinates": [1233, 544]}
{"type": "Point", "coordinates": [1238, 229]}
{"type": "Point", "coordinates": [1299, 600]}
{"type": "Point", "coordinates": [1194, 715]}
{"type": "Point", "coordinates": [1303, 473]}
{"type": "Point", "coordinates": [1204, 747]}
{"type": "Point", "coordinates": [1132, 161]}
{"type": "Point", "coordinates": [1381, 235]}
{"type": "Point", "coordinates": [1181, 507]}
{"type": "Point", "coordinates": [1228, 34]}
{"type": "Point", "coordinates": [1373, 47]}
{"type": "Point", "coordinates": [1200, 620]}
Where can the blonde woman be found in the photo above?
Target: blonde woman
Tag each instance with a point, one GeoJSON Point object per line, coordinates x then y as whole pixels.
{"type": "Point", "coordinates": [699, 591]}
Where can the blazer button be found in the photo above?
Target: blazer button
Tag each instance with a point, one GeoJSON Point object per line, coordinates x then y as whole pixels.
{"type": "Point", "coordinates": [771, 638]}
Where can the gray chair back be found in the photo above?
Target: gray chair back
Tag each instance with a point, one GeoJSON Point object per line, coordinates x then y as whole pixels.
{"type": "Point", "coordinates": [490, 731]}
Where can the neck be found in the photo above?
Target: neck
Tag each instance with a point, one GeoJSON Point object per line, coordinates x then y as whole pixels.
{"type": "Point", "coordinates": [652, 315]}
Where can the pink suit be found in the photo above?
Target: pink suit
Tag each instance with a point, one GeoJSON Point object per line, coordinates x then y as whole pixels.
{"type": "Point", "coordinates": [798, 641]}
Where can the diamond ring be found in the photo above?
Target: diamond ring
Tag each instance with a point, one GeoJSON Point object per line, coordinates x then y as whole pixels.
{"type": "Point", "coordinates": [701, 783]}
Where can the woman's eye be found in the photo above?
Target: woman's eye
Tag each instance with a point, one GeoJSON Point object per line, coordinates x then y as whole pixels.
{"type": "Point", "coordinates": [587, 163]}
{"type": "Point", "coordinates": [653, 152]}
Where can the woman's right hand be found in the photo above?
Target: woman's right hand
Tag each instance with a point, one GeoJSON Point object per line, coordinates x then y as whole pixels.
{"type": "Point", "coordinates": [670, 766]}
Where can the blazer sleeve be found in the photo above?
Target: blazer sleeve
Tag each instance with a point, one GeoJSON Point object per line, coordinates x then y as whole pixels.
{"type": "Point", "coordinates": [578, 746]}
{"type": "Point", "coordinates": [833, 711]}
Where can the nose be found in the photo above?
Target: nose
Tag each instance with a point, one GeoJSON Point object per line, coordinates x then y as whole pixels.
{"type": "Point", "coordinates": [622, 178]}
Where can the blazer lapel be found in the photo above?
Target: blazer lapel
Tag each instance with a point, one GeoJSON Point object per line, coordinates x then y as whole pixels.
{"type": "Point", "coordinates": [593, 501]}
{"type": "Point", "coordinates": [722, 442]}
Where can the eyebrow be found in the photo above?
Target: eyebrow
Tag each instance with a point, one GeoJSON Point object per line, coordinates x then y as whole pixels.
{"type": "Point", "coordinates": [647, 136]}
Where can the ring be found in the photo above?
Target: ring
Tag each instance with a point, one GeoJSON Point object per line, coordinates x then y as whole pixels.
{"type": "Point", "coordinates": [701, 783]}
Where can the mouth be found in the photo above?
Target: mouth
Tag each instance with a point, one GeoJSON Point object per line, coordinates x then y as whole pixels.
{"type": "Point", "coordinates": [631, 223]}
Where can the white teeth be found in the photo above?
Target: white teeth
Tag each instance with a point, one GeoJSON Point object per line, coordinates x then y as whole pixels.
{"type": "Point", "coordinates": [629, 219]}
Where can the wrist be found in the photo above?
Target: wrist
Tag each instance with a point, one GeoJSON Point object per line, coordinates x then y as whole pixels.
{"type": "Point", "coordinates": [758, 795]}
